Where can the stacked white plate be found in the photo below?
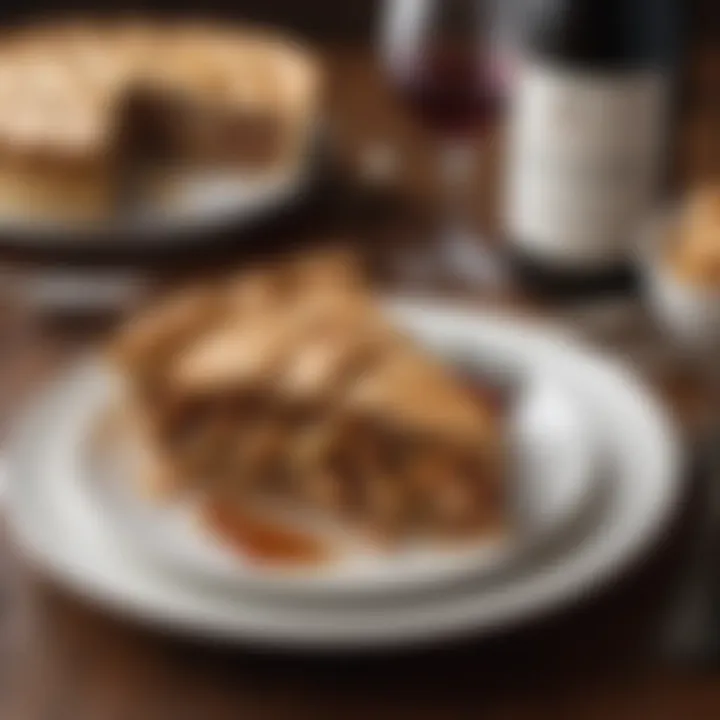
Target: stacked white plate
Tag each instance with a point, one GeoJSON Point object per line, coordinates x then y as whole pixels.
{"type": "Point", "coordinates": [594, 482]}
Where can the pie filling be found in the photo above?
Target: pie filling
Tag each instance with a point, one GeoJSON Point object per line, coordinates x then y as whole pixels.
{"type": "Point", "coordinates": [160, 127]}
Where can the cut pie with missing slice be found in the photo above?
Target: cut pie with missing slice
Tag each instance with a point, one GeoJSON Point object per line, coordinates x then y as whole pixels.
{"type": "Point", "coordinates": [87, 109]}
{"type": "Point", "coordinates": [312, 399]}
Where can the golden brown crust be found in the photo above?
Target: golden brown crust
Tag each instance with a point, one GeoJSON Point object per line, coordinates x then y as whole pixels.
{"type": "Point", "coordinates": [60, 85]}
{"type": "Point", "coordinates": [150, 339]}
{"type": "Point", "coordinates": [412, 394]}
{"type": "Point", "coordinates": [54, 195]}
{"type": "Point", "coordinates": [231, 358]}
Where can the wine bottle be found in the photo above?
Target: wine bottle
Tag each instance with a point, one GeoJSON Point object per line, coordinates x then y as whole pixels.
{"type": "Point", "coordinates": [588, 137]}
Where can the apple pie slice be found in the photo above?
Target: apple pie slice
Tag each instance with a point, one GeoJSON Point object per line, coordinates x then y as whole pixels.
{"type": "Point", "coordinates": [307, 397]}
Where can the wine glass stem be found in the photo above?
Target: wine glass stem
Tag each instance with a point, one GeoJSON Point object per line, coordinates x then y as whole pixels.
{"type": "Point", "coordinates": [467, 258]}
{"type": "Point", "coordinates": [455, 168]}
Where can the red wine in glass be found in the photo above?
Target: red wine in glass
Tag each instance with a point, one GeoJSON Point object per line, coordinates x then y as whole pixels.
{"type": "Point", "coordinates": [452, 90]}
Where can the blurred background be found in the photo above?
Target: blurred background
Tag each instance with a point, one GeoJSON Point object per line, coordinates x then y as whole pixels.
{"type": "Point", "coordinates": [383, 187]}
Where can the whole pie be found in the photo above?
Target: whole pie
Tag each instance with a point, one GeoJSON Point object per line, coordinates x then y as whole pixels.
{"type": "Point", "coordinates": [288, 385]}
{"type": "Point", "coordinates": [88, 109]}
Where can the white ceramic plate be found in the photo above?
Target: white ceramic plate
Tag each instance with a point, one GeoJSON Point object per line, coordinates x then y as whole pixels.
{"type": "Point", "coordinates": [551, 484]}
{"type": "Point", "coordinates": [642, 486]}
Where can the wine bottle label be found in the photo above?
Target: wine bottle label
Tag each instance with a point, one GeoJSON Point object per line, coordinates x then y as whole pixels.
{"type": "Point", "coordinates": [585, 156]}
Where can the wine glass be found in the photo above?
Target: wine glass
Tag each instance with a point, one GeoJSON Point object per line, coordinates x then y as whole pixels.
{"type": "Point", "coordinates": [443, 57]}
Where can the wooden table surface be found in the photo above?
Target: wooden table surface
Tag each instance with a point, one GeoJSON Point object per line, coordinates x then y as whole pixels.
{"type": "Point", "coordinates": [60, 659]}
